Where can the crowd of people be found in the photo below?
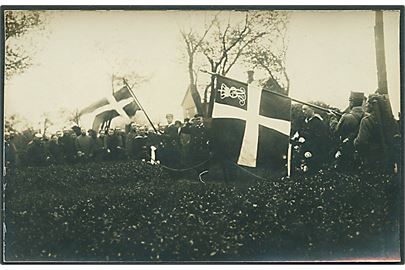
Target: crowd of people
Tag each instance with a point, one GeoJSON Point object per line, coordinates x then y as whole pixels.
{"type": "Point", "coordinates": [364, 136]}
{"type": "Point", "coordinates": [172, 144]}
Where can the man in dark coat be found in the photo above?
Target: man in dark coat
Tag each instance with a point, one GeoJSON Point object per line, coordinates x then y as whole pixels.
{"type": "Point", "coordinates": [371, 141]}
{"type": "Point", "coordinates": [68, 146]}
{"type": "Point", "coordinates": [171, 131]}
{"type": "Point", "coordinates": [130, 139]}
{"type": "Point", "coordinates": [170, 154]}
{"type": "Point", "coordinates": [113, 145]}
{"type": "Point", "coordinates": [313, 138]}
{"type": "Point", "coordinates": [99, 150]}
{"type": "Point", "coordinates": [84, 146]}
{"type": "Point", "coordinates": [36, 151]}
{"type": "Point", "coordinates": [55, 152]}
{"type": "Point", "coordinates": [185, 142]}
{"type": "Point", "coordinates": [198, 146]}
{"type": "Point", "coordinates": [140, 144]}
{"type": "Point", "coordinates": [10, 152]}
{"type": "Point", "coordinates": [347, 129]}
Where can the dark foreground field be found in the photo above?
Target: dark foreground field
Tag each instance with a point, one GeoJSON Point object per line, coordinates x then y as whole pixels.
{"type": "Point", "coordinates": [133, 211]}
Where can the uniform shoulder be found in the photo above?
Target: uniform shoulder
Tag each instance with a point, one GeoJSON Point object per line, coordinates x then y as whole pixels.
{"type": "Point", "coordinates": [346, 116]}
{"type": "Point", "coordinates": [367, 117]}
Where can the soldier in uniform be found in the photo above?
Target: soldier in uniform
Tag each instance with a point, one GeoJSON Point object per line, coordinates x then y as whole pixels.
{"type": "Point", "coordinates": [313, 137]}
{"type": "Point", "coordinates": [347, 129]}
{"type": "Point", "coordinates": [371, 141]}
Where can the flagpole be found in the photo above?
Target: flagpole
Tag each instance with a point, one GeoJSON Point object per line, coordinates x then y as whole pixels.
{"type": "Point", "coordinates": [139, 104]}
{"type": "Point", "coordinates": [281, 95]}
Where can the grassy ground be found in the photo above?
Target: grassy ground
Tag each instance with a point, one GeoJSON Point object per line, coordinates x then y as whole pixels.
{"type": "Point", "coordinates": [132, 211]}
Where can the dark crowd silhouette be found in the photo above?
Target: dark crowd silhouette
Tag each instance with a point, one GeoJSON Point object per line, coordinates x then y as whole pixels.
{"type": "Point", "coordinates": [365, 136]}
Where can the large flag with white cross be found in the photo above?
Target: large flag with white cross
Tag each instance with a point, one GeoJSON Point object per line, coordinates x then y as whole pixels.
{"type": "Point", "coordinates": [251, 125]}
{"type": "Point", "coordinates": [120, 103]}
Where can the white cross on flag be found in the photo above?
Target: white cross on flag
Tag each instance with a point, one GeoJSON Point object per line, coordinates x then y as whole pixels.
{"type": "Point", "coordinates": [251, 125]}
{"type": "Point", "coordinates": [120, 103]}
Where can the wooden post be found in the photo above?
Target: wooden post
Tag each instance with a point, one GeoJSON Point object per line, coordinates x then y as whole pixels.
{"type": "Point", "coordinates": [380, 53]}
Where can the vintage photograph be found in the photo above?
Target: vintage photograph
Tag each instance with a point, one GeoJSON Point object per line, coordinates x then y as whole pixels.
{"type": "Point", "coordinates": [202, 135]}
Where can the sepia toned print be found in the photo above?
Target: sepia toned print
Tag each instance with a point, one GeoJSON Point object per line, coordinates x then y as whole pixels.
{"type": "Point", "coordinates": [249, 135]}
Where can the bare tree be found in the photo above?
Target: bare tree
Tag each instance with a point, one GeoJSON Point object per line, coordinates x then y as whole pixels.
{"type": "Point", "coordinates": [193, 41]}
{"type": "Point", "coordinates": [74, 117]}
{"type": "Point", "coordinates": [16, 122]}
{"type": "Point", "coordinates": [17, 24]}
{"type": "Point", "coordinates": [133, 78]}
{"type": "Point", "coordinates": [232, 38]}
{"type": "Point", "coordinates": [269, 54]}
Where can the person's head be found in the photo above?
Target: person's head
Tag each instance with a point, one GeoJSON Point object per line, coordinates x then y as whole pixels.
{"type": "Point", "coordinates": [73, 135]}
{"type": "Point", "coordinates": [59, 133]}
{"type": "Point", "coordinates": [37, 136]}
{"type": "Point", "coordinates": [307, 111]}
{"type": "Point", "coordinates": [141, 130]}
{"type": "Point", "coordinates": [77, 130]}
{"type": "Point", "coordinates": [92, 133]}
{"type": "Point", "coordinates": [83, 131]}
{"type": "Point", "coordinates": [101, 133]}
{"type": "Point", "coordinates": [177, 123]}
{"type": "Point", "coordinates": [66, 132]}
{"type": "Point", "coordinates": [356, 99]}
{"type": "Point", "coordinates": [54, 138]}
{"type": "Point", "coordinates": [186, 120]}
{"type": "Point", "coordinates": [161, 127]}
{"type": "Point", "coordinates": [133, 126]}
{"type": "Point", "coordinates": [111, 132]}
{"type": "Point", "coordinates": [197, 119]}
{"type": "Point", "coordinates": [169, 118]}
{"type": "Point", "coordinates": [372, 103]}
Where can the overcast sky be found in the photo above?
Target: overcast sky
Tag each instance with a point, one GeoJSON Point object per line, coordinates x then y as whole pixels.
{"type": "Point", "coordinates": [329, 54]}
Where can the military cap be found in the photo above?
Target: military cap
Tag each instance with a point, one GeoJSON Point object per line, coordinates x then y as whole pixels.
{"type": "Point", "coordinates": [356, 95]}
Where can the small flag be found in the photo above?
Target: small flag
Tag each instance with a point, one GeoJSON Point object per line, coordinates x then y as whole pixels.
{"type": "Point", "coordinates": [120, 103]}
{"type": "Point", "coordinates": [252, 125]}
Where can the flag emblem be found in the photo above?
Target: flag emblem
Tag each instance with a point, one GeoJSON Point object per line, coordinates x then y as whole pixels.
{"type": "Point", "coordinates": [233, 92]}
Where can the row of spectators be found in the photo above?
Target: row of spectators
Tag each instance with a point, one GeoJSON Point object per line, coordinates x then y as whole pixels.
{"type": "Point", "coordinates": [172, 143]}
{"type": "Point", "coordinates": [366, 135]}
